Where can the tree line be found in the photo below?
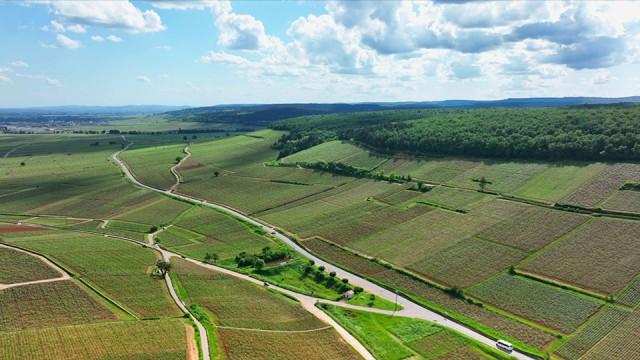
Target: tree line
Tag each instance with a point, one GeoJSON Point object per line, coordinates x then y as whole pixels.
{"type": "Point", "coordinates": [609, 132]}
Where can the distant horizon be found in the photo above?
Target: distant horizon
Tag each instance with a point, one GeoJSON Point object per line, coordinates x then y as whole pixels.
{"type": "Point", "coordinates": [313, 102]}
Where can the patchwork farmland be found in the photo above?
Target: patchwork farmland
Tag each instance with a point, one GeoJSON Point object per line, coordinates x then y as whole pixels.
{"type": "Point", "coordinates": [539, 253]}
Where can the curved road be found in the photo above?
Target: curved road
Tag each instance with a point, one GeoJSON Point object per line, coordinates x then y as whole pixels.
{"type": "Point", "coordinates": [410, 309]}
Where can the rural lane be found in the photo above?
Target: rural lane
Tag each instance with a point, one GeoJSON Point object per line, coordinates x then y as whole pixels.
{"type": "Point", "coordinates": [410, 308]}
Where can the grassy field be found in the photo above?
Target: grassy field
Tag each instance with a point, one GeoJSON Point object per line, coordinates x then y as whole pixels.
{"type": "Point", "coordinates": [544, 304]}
{"type": "Point", "coordinates": [396, 338]}
{"type": "Point", "coordinates": [556, 182]}
{"type": "Point", "coordinates": [19, 267]}
{"type": "Point", "coordinates": [120, 269]}
{"type": "Point", "coordinates": [151, 165]}
{"type": "Point", "coordinates": [598, 328]}
{"type": "Point", "coordinates": [230, 302]}
{"type": "Point", "coordinates": [145, 340]}
{"type": "Point", "coordinates": [49, 304]}
{"type": "Point", "coordinates": [591, 256]}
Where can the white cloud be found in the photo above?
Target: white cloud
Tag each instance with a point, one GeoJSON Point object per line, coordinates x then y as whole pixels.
{"type": "Point", "coordinates": [97, 38]}
{"type": "Point", "coordinates": [47, 80]}
{"type": "Point", "coordinates": [220, 57]}
{"type": "Point", "coordinates": [162, 47]}
{"type": "Point", "coordinates": [113, 14]}
{"type": "Point", "coordinates": [19, 63]}
{"type": "Point", "coordinates": [67, 42]}
{"type": "Point", "coordinates": [238, 31]}
{"type": "Point", "coordinates": [114, 38]}
{"type": "Point", "coordinates": [56, 26]}
{"type": "Point", "coordinates": [77, 28]}
{"type": "Point", "coordinates": [143, 79]}
{"type": "Point", "coordinates": [182, 5]}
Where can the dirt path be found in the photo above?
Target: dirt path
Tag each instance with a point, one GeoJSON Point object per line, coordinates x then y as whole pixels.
{"type": "Point", "coordinates": [63, 274]}
{"type": "Point", "coordinates": [8, 153]}
{"type": "Point", "coordinates": [192, 348]}
{"type": "Point", "coordinates": [410, 308]}
{"type": "Point", "coordinates": [174, 167]}
{"type": "Point", "coordinates": [151, 237]}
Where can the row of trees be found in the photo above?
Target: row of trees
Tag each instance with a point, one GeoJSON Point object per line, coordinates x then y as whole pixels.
{"type": "Point", "coordinates": [258, 261]}
{"type": "Point", "coordinates": [330, 280]}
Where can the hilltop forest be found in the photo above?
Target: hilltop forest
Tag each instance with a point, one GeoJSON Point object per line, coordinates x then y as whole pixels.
{"type": "Point", "coordinates": [588, 132]}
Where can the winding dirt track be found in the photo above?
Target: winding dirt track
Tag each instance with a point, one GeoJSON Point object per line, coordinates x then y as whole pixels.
{"type": "Point", "coordinates": [410, 309]}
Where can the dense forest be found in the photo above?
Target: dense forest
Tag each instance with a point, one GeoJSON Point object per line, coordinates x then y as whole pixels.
{"type": "Point", "coordinates": [588, 132]}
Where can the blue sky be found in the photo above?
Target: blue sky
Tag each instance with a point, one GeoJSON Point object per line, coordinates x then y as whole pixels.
{"type": "Point", "coordinates": [202, 52]}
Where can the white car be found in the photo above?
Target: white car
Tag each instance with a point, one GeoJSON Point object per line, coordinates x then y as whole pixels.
{"type": "Point", "coordinates": [504, 346]}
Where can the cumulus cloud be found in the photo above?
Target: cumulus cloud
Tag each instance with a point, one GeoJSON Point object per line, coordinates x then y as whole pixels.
{"type": "Point", "coordinates": [238, 31]}
{"type": "Point", "coordinates": [97, 38]}
{"type": "Point", "coordinates": [113, 14]}
{"type": "Point", "coordinates": [77, 28]}
{"type": "Point", "coordinates": [143, 79]}
{"type": "Point", "coordinates": [67, 42]}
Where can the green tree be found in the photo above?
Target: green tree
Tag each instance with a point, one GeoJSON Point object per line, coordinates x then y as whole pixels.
{"type": "Point", "coordinates": [163, 267]}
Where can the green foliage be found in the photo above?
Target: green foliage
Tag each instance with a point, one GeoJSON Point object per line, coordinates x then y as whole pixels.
{"type": "Point", "coordinates": [581, 133]}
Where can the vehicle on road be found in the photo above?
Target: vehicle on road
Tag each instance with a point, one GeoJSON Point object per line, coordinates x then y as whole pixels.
{"type": "Point", "coordinates": [504, 346]}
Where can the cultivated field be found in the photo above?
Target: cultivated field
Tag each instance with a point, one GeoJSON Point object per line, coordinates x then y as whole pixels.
{"type": "Point", "coordinates": [628, 201]}
{"type": "Point", "coordinates": [544, 304]}
{"type": "Point", "coordinates": [323, 344]}
{"type": "Point", "coordinates": [49, 304]}
{"type": "Point", "coordinates": [19, 267]}
{"type": "Point", "coordinates": [591, 256]}
{"type": "Point", "coordinates": [534, 228]}
{"type": "Point", "coordinates": [408, 285]}
{"type": "Point", "coordinates": [598, 328]}
{"type": "Point", "coordinates": [120, 269]}
{"type": "Point", "coordinates": [600, 187]}
{"type": "Point", "coordinates": [151, 165]}
{"type": "Point", "coordinates": [620, 343]}
{"type": "Point", "coordinates": [145, 340]}
{"type": "Point", "coordinates": [240, 309]}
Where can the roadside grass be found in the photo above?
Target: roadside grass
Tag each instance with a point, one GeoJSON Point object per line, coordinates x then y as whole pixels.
{"type": "Point", "coordinates": [144, 340]}
{"type": "Point", "coordinates": [49, 304]}
{"type": "Point", "coordinates": [120, 269]}
{"type": "Point", "coordinates": [396, 338]}
{"type": "Point", "coordinates": [19, 267]}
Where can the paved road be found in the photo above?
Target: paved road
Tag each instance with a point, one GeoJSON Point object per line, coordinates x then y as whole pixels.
{"type": "Point", "coordinates": [410, 309]}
